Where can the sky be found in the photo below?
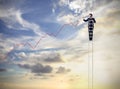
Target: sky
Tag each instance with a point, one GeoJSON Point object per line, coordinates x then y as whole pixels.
{"type": "Point", "coordinates": [44, 44]}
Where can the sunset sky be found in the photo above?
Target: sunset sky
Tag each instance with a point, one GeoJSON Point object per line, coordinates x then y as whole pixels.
{"type": "Point", "coordinates": [44, 44]}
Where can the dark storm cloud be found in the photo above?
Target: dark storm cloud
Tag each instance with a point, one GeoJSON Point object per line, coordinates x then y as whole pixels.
{"type": "Point", "coordinates": [53, 58]}
{"type": "Point", "coordinates": [25, 66]}
{"type": "Point", "coordinates": [3, 70]}
{"type": "Point", "coordinates": [37, 68]}
{"type": "Point", "coordinates": [63, 70]}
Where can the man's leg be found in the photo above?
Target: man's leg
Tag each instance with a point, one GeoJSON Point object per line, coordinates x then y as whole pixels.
{"type": "Point", "coordinates": [90, 34]}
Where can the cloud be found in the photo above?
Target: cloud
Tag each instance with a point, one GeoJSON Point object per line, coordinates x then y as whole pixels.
{"type": "Point", "coordinates": [63, 70]}
{"type": "Point", "coordinates": [77, 6]}
{"type": "Point", "coordinates": [52, 58]}
{"type": "Point", "coordinates": [63, 2]}
{"type": "Point", "coordinates": [82, 8]}
{"type": "Point", "coordinates": [2, 57]}
{"type": "Point", "coordinates": [6, 49]}
{"type": "Point", "coordinates": [25, 66]}
{"type": "Point", "coordinates": [3, 70]}
{"type": "Point", "coordinates": [65, 18]}
{"type": "Point", "coordinates": [39, 56]}
{"type": "Point", "coordinates": [37, 68]}
{"type": "Point", "coordinates": [13, 19]}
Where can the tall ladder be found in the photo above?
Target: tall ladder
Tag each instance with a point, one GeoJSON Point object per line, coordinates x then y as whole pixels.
{"type": "Point", "coordinates": [90, 65]}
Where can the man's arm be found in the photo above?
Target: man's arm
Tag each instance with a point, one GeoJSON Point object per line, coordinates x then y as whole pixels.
{"type": "Point", "coordinates": [94, 20]}
{"type": "Point", "coordinates": [85, 20]}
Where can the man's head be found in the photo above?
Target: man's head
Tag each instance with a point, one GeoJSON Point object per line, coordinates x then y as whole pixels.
{"type": "Point", "coordinates": [90, 14]}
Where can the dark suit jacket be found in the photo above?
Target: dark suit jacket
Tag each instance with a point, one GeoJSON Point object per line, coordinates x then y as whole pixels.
{"type": "Point", "coordinates": [91, 22]}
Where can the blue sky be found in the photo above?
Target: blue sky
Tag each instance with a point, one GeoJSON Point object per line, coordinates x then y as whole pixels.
{"type": "Point", "coordinates": [40, 13]}
{"type": "Point", "coordinates": [30, 54]}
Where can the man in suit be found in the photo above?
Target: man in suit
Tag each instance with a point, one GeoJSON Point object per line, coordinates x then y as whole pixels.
{"type": "Point", "coordinates": [91, 22]}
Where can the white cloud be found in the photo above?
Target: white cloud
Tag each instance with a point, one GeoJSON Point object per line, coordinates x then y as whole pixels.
{"type": "Point", "coordinates": [77, 6]}
{"type": "Point", "coordinates": [13, 19]}
{"type": "Point", "coordinates": [65, 18]}
{"type": "Point", "coordinates": [63, 2]}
